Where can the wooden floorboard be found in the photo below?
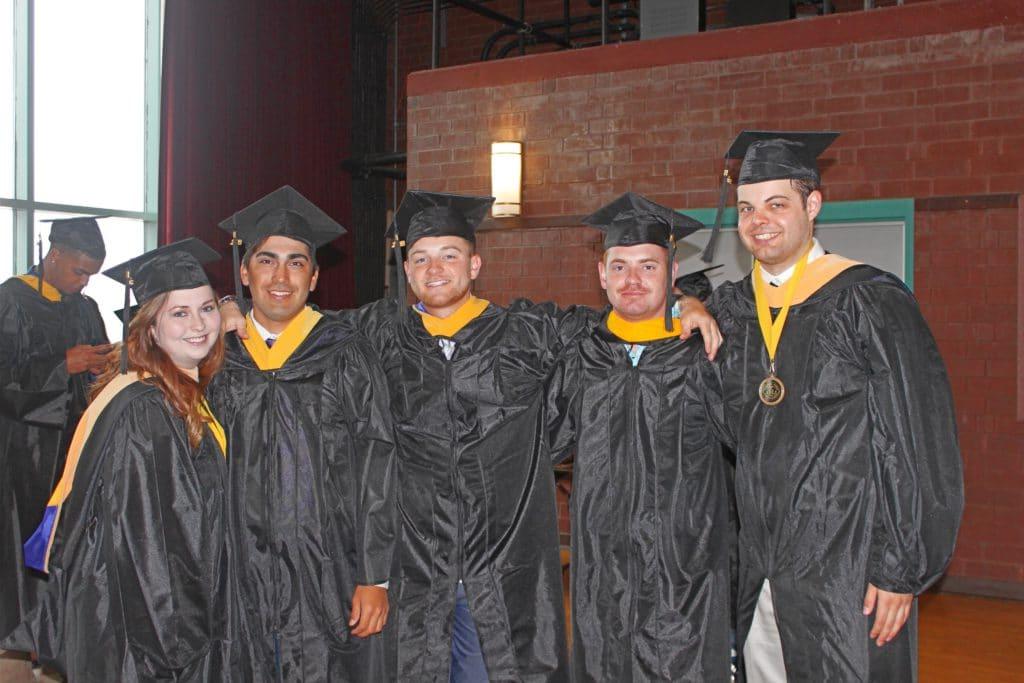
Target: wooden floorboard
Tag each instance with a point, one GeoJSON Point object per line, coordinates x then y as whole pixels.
{"type": "Point", "coordinates": [971, 640]}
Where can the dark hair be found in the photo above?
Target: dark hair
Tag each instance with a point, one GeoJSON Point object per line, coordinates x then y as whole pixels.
{"type": "Point", "coordinates": [804, 187]}
{"type": "Point", "coordinates": [251, 250]}
{"type": "Point", "coordinates": [184, 395]}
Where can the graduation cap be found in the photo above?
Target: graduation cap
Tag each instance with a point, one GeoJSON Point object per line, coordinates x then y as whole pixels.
{"type": "Point", "coordinates": [433, 214]}
{"type": "Point", "coordinates": [696, 284]}
{"type": "Point", "coordinates": [81, 234]}
{"type": "Point", "coordinates": [633, 219]}
{"type": "Point", "coordinates": [283, 212]}
{"type": "Point", "coordinates": [168, 268]}
{"type": "Point", "coordinates": [770, 155]}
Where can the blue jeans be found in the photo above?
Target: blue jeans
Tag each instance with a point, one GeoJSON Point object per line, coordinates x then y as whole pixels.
{"type": "Point", "coordinates": [467, 659]}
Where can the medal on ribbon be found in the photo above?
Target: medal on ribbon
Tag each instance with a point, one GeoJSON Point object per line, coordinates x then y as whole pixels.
{"type": "Point", "coordinates": [771, 391]}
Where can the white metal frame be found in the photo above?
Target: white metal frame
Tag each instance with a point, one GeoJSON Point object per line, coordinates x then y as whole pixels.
{"type": "Point", "coordinates": [23, 202]}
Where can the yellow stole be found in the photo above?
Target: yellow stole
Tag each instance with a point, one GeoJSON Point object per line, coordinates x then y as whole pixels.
{"type": "Point", "coordinates": [448, 327]}
{"type": "Point", "coordinates": [50, 293]}
{"type": "Point", "coordinates": [216, 429]}
{"type": "Point", "coordinates": [817, 274]}
{"type": "Point", "coordinates": [82, 431]}
{"type": "Point", "coordinates": [293, 335]}
{"type": "Point", "coordinates": [643, 331]}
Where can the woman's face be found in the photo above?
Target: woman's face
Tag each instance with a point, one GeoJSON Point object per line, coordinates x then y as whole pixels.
{"type": "Point", "coordinates": [187, 326]}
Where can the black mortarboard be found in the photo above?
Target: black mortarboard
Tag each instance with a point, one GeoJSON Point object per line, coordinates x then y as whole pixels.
{"type": "Point", "coordinates": [696, 284]}
{"type": "Point", "coordinates": [283, 212]}
{"type": "Point", "coordinates": [81, 234]}
{"type": "Point", "coordinates": [433, 214]}
{"type": "Point", "coordinates": [174, 266]}
{"type": "Point", "coordinates": [770, 155]}
{"type": "Point", "coordinates": [773, 155]}
{"type": "Point", "coordinates": [633, 219]}
{"type": "Point", "coordinates": [437, 214]}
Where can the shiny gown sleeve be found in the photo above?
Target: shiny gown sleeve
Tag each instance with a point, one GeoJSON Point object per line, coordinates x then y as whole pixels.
{"type": "Point", "coordinates": [35, 386]}
{"type": "Point", "coordinates": [564, 398]}
{"type": "Point", "coordinates": [916, 461]}
{"type": "Point", "coordinates": [366, 412]}
{"type": "Point", "coordinates": [714, 399]}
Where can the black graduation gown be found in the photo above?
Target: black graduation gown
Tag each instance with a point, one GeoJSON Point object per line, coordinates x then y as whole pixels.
{"type": "Point", "coordinates": [40, 404]}
{"type": "Point", "coordinates": [477, 489]}
{"type": "Point", "coordinates": [311, 460]}
{"type": "Point", "coordinates": [139, 567]}
{"type": "Point", "coordinates": [651, 536]}
{"type": "Point", "coordinates": [854, 478]}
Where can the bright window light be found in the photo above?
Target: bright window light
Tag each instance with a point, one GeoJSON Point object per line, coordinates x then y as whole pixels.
{"type": "Point", "coordinates": [90, 103]}
{"type": "Point", "coordinates": [6, 108]}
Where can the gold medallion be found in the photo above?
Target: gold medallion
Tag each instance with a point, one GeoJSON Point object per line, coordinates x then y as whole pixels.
{"type": "Point", "coordinates": [772, 390]}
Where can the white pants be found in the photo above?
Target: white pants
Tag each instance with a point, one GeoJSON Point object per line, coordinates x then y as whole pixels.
{"type": "Point", "coordinates": [762, 651]}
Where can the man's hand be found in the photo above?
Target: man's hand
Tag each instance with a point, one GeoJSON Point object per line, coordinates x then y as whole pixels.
{"type": "Point", "coordinates": [693, 315]}
{"type": "Point", "coordinates": [369, 611]}
{"type": "Point", "coordinates": [86, 357]}
{"type": "Point", "coordinates": [891, 612]}
{"type": "Point", "coordinates": [232, 320]}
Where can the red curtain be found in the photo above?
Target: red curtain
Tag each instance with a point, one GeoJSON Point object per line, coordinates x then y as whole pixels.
{"type": "Point", "coordinates": [256, 95]}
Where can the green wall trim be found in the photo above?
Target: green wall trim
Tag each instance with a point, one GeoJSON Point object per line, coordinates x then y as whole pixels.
{"type": "Point", "coordinates": [862, 211]}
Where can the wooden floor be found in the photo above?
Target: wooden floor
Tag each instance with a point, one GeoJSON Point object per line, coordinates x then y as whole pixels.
{"type": "Point", "coordinates": [963, 640]}
{"type": "Point", "coordinates": [971, 640]}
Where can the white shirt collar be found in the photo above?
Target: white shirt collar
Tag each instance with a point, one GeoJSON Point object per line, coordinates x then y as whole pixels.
{"type": "Point", "coordinates": [817, 251]}
{"type": "Point", "coordinates": [263, 332]}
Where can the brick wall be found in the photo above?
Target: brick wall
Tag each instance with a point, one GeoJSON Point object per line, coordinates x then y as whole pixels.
{"type": "Point", "coordinates": [930, 101]}
{"type": "Point", "coordinates": [466, 33]}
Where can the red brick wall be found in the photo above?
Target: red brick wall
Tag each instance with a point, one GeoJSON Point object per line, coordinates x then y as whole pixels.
{"type": "Point", "coordinates": [930, 101]}
{"type": "Point", "coordinates": [966, 279]}
{"type": "Point", "coordinates": [467, 33]}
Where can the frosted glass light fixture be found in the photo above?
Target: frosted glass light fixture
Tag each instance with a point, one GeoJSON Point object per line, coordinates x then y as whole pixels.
{"type": "Point", "coordinates": [506, 178]}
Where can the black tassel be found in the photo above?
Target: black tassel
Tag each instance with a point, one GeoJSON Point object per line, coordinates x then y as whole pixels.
{"type": "Point", "coordinates": [396, 246]}
{"type": "Point", "coordinates": [39, 244]}
{"type": "Point", "coordinates": [236, 261]}
{"type": "Point", "coordinates": [125, 318]}
{"type": "Point", "coordinates": [669, 299]}
{"type": "Point", "coordinates": [708, 254]}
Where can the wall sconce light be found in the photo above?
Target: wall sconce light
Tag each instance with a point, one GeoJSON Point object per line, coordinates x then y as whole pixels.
{"type": "Point", "coordinates": [506, 178]}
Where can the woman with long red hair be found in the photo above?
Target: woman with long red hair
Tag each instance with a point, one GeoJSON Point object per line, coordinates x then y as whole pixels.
{"type": "Point", "coordinates": [134, 538]}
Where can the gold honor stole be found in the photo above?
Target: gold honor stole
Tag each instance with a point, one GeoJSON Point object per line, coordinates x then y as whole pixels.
{"type": "Point", "coordinates": [642, 331]}
{"type": "Point", "coordinates": [37, 548]}
{"type": "Point", "coordinates": [216, 429]}
{"type": "Point", "coordinates": [293, 335]}
{"type": "Point", "coordinates": [50, 293]}
{"type": "Point", "coordinates": [818, 273]}
{"type": "Point", "coordinates": [448, 327]}
{"type": "Point", "coordinates": [807, 278]}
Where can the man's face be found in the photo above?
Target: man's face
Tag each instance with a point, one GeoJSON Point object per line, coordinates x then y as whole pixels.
{"type": "Point", "coordinates": [69, 270]}
{"type": "Point", "coordinates": [441, 271]}
{"type": "Point", "coordinates": [280, 275]}
{"type": "Point", "coordinates": [634, 279]}
{"type": "Point", "coordinates": [774, 224]}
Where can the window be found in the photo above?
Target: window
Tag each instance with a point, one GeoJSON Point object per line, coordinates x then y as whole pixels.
{"type": "Point", "coordinates": [79, 128]}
